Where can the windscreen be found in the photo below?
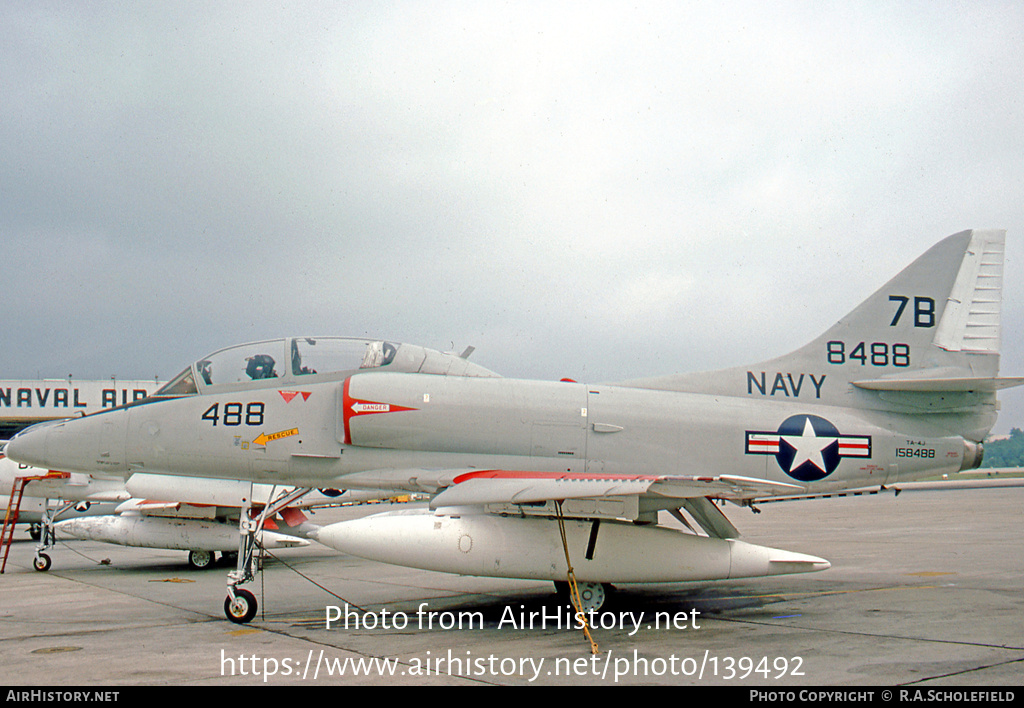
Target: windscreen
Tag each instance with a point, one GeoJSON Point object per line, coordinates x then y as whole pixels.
{"type": "Point", "coordinates": [184, 384]}
{"type": "Point", "coordinates": [324, 355]}
{"type": "Point", "coordinates": [244, 363]}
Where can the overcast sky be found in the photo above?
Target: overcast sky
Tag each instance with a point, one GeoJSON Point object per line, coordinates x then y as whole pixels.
{"type": "Point", "coordinates": [594, 190]}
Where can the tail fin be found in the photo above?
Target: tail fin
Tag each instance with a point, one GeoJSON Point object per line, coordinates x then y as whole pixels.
{"type": "Point", "coordinates": [926, 342]}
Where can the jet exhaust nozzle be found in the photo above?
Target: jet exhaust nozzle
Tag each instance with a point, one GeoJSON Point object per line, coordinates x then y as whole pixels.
{"type": "Point", "coordinates": [974, 454]}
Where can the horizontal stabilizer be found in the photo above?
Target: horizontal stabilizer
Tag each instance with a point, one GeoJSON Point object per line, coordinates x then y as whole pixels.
{"type": "Point", "coordinates": [955, 483]}
{"type": "Point", "coordinates": [988, 384]}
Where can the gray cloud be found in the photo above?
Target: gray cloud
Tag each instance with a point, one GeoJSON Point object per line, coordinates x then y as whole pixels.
{"type": "Point", "coordinates": [597, 191]}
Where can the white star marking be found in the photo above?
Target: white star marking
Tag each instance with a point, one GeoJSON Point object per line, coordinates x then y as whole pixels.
{"type": "Point", "coordinates": [808, 447]}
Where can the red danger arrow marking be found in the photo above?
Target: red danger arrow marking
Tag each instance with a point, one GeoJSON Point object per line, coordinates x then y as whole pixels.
{"type": "Point", "coordinates": [353, 407]}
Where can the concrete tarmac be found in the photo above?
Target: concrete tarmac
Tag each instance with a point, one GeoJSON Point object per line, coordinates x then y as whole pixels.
{"type": "Point", "coordinates": [926, 589]}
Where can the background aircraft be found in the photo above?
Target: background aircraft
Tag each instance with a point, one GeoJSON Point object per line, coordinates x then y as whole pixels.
{"type": "Point", "coordinates": [200, 516]}
{"type": "Point", "coordinates": [530, 478]}
{"type": "Point", "coordinates": [48, 496]}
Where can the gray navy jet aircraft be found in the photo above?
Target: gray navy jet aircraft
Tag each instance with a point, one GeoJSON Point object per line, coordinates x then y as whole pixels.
{"type": "Point", "coordinates": [531, 478]}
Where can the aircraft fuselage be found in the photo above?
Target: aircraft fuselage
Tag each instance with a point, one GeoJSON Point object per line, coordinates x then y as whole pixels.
{"type": "Point", "coordinates": [320, 434]}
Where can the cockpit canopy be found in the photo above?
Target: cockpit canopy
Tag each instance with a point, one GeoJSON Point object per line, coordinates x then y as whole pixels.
{"type": "Point", "coordinates": [294, 359]}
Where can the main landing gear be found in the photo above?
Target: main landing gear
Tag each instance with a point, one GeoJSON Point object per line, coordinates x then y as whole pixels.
{"type": "Point", "coordinates": [592, 595]}
{"type": "Point", "coordinates": [200, 560]}
{"type": "Point", "coordinates": [240, 605]}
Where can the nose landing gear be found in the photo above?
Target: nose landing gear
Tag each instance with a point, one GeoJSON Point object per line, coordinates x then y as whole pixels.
{"type": "Point", "coordinates": [240, 605]}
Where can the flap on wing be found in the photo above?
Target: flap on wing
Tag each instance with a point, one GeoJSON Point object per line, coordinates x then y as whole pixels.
{"type": "Point", "coordinates": [519, 487]}
{"type": "Point", "coordinates": [410, 479]}
{"type": "Point", "coordinates": [510, 487]}
{"type": "Point", "coordinates": [724, 485]}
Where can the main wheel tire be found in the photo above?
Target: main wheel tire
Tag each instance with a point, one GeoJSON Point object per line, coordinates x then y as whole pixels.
{"type": "Point", "coordinates": [200, 560]}
{"type": "Point", "coordinates": [242, 608]}
{"type": "Point", "coordinates": [593, 595]}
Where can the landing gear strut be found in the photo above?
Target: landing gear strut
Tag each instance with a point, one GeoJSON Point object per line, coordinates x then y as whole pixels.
{"type": "Point", "coordinates": [47, 536]}
{"type": "Point", "coordinates": [240, 604]}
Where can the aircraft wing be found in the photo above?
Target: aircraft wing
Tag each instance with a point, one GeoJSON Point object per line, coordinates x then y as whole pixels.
{"type": "Point", "coordinates": [478, 487]}
{"type": "Point", "coordinates": [227, 493]}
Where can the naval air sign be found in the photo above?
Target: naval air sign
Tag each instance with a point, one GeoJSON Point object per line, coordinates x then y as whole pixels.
{"type": "Point", "coordinates": [60, 398]}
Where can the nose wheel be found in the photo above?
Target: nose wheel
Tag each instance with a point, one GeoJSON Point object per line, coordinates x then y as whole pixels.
{"type": "Point", "coordinates": [42, 562]}
{"type": "Point", "coordinates": [241, 608]}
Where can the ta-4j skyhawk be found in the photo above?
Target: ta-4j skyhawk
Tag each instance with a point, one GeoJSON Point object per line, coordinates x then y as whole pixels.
{"type": "Point", "coordinates": [527, 475]}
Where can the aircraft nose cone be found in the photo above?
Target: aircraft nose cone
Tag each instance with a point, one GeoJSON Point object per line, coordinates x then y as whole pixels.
{"type": "Point", "coordinates": [29, 446]}
{"type": "Point", "coordinates": [94, 443]}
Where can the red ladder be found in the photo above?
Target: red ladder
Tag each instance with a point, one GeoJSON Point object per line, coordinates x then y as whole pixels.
{"type": "Point", "coordinates": [14, 507]}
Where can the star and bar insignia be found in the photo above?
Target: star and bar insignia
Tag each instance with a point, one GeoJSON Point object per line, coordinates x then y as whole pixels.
{"type": "Point", "coordinates": [807, 447]}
